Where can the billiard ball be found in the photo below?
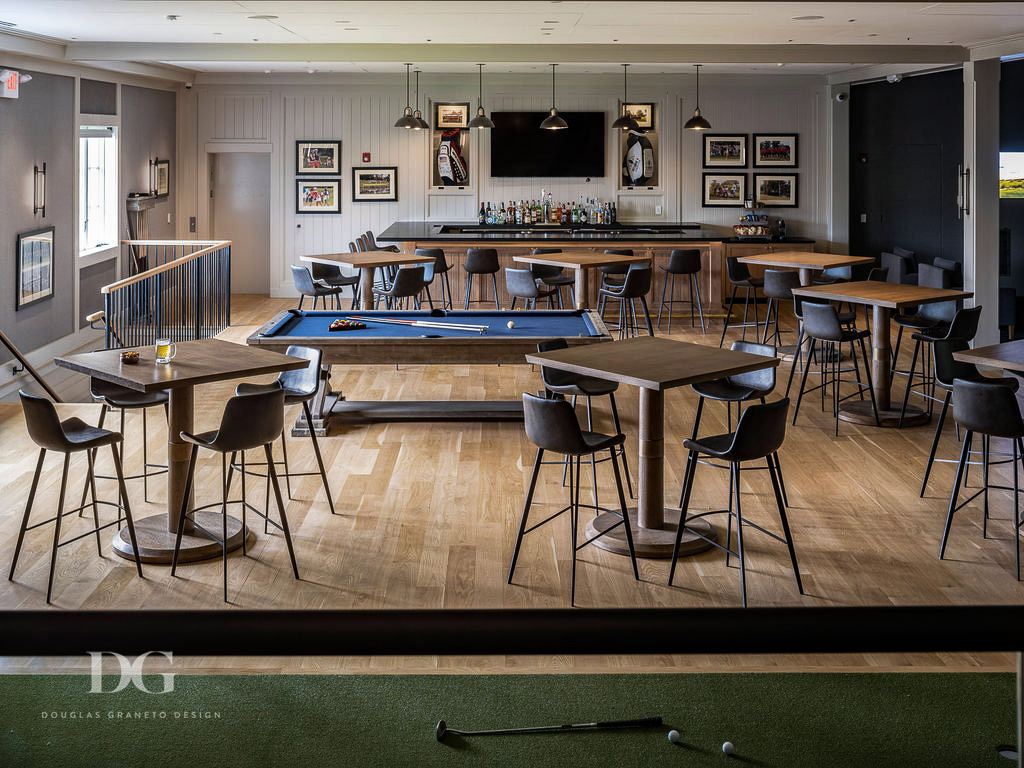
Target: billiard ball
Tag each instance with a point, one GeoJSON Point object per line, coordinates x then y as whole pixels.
{"type": "Point", "coordinates": [511, 324]}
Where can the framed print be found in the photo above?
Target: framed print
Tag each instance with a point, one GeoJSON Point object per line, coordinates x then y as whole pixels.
{"type": "Point", "coordinates": [317, 196]}
{"type": "Point", "coordinates": [374, 184]}
{"type": "Point", "coordinates": [162, 177]}
{"type": "Point", "coordinates": [33, 279]}
{"type": "Point", "coordinates": [318, 157]}
{"type": "Point", "coordinates": [642, 113]}
{"type": "Point", "coordinates": [775, 190]}
{"type": "Point", "coordinates": [775, 150]}
{"type": "Point", "coordinates": [724, 189]}
{"type": "Point", "coordinates": [725, 151]}
{"type": "Point", "coordinates": [447, 116]}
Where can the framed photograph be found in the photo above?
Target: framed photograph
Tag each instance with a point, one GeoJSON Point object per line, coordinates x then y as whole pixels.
{"type": "Point", "coordinates": [724, 189]}
{"type": "Point", "coordinates": [317, 196]}
{"type": "Point", "coordinates": [375, 185]}
{"type": "Point", "coordinates": [162, 177]}
{"type": "Point", "coordinates": [721, 151]}
{"type": "Point", "coordinates": [775, 190]}
{"type": "Point", "coordinates": [318, 157]}
{"type": "Point", "coordinates": [642, 113]}
{"type": "Point", "coordinates": [447, 116]}
{"type": "Point", "coordinates": [33, 279]}
{"type": "Point", "coordinates": [775, 150]}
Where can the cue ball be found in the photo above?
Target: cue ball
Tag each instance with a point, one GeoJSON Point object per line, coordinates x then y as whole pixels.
{"type": "Point", "coordinates": [674, 736]}
{"type": "Point", "coordinates": [728, 748]}
{"type": "Point", "coordinates": [510, 324]}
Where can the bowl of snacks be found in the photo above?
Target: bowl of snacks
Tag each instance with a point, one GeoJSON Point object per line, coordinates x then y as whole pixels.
{"type": "Point", "coordinates": [130, 357]}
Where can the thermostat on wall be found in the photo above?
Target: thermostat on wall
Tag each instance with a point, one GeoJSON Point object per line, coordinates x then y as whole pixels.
{"type": "Point", "coordinates": [9, 84]}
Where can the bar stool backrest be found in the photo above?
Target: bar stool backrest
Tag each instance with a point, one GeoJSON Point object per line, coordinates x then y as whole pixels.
{"type": "Point", "coordinates": [482, 260]}
{"type": "Point", "coordinates": [616, 269]}
{"type": "Point", "coordinates": [361, 244]}
{"type": "Point", "coordinates": [43, 423]}
{"type": "Point", "coordinates": [553, 377]}
{"type": "Point", "coordinates": [684, 261]}
{"type": "Point", "coordinates": [521, 283]}
{"type": "Point", "coordinates": [302, 382]}
{"type": "Point", "coordinates": [946, 368]}
{"type": "Point", "coordinates": [303, 280]}
{"type": "Point", "coordinates": [638, 281]}
{"type": "Point", "coordinates": [990, 409]}
{"type": "Point", "coordinates": [965, 324]}
{"type": "Point", "coordinates": [760, 431]}
{"type": "Point", "coordinates": [408, 281]}
{"type": "Point", "coordinates": [551, 424]}
{"type": "Point", "coordinates": [821, 322]}
{"type": "Point", "coordinates": [545, 270]}
{"type": "Point", "coordinates": [437, 254]}
{"type": "Point", "coordinates": [325, 271]}
{"type": "Point", "coordinates": [762, 379]}
{"type": "Point", "coordinates": [250, 421]}
{"type": "Point", "coordinates": [737, 271]}
{"type": "Point", "coordinates": [371, 241]}
{"type": "Point", "coordinates": [779, 283]}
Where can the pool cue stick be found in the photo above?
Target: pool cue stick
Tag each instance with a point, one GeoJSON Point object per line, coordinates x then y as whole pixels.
{"type": "Point", "coordinates": [421, 323]}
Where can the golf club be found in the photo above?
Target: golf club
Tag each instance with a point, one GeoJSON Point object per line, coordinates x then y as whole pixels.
{"type": "Point", "coordinates": [443, 730]}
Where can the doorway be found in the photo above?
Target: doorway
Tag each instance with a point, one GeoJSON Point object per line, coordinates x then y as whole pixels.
{"type": "Point", "coordinates": [240, 211]}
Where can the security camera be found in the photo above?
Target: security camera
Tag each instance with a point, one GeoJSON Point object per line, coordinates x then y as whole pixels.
{"type": "Point", "coordinates": [188, 86]}
{"type": "Point", "coordinates": [842, 96]}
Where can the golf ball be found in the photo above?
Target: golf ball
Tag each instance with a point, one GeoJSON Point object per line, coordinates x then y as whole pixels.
{"type": "Point", "coordinates": [510, 324]}
{"type": "Point", "coordinates": [728, 748]}
{"type": "Point", "coordinates": [674, 736]}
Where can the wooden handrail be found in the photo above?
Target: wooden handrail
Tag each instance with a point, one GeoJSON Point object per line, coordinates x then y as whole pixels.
{"type": "Point", "coordinates": [216, 245]}
{"type": "Point", "coordinates": [5, 340]}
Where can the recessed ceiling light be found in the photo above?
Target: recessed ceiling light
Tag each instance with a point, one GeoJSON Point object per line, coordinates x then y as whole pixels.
{"type": "Point", "coordinates": [173, 17]}
{"type": "Point", "coordinates": [342, 21]}
{"type": "Point", "coordinates": [255, 39]}
{"type": "Point", "coordinates": [351, 29]}
{"type": "Point", "coordinates": [263, 17]}
{"type": "Point", "coordinates": [872, 34]}
{"type": "Point", "coordinates": [218, 33]}
{"type": "Point", "coordinates": [546, 29]}
{"type": "Point", "coordinates": [780, 64]}
{"type": "Point", "coordinates": [7, 24]}
{"type": "Point", "coordinates": [808, 18]}
{"type": "Point", "coordinates": [545, 34]}
{"type": "Point", "coordinates": [266, 71]}
{"type": "Point", "coordinates": [310, 71]}
{"type": "Point", "coordinates": [850, 21]}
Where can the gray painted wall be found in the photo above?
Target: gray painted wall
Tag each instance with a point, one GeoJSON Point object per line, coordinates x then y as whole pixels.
{"type": "Point", "coordinates": [147, 131]}
{"type": "Point", "coordinates": [90, 281]}
{"type": "Point", "coordinates": [38, 127]}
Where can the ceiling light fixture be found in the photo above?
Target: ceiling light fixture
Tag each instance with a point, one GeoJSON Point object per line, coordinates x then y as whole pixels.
{"type": "Point", "coordinates": [808, 18]}
{"type": "Point", "coordinates": [421, 124]}
{"type": "Point", "coordinates": [625, 121]}
{"type": "Point", "coordinates": [407, 121]}
{"type": "Point", "coordinates": [481, 120]}
{"type": "Point", "coordinates": [263, 17]}
{"type": "Point", "coordinates": [553, 122]}
{"type": "Point", "coordinates": [697, 122]}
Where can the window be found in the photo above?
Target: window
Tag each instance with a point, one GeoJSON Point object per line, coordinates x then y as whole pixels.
{"type": "Point", "coordinates": [97, 188]}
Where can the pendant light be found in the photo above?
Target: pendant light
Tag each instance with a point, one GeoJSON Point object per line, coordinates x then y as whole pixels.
{"type": "Point", "coordinates": [481, 120]}
{"type": "Point", "coordinates": [697, 122]}
{"type": "Point", "coordinates": [625, 122]}
{"type": "Point", "coordinates": [553, 122]}
{"type": "Point", "coordinates": [406, 120]}
{"type": "Point", "coordinates": [421, 124]}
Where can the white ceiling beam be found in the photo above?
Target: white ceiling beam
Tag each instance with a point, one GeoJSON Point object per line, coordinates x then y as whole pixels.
{"type": "Point", "coordinates": [161, 71]}
{"type": "Point", "coordinates": [31, 46]}
{"type": "Point", "coordinates": [638, 54]}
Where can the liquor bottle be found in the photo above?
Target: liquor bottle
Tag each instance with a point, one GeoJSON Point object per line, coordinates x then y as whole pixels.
{"type": "Point", "coordinates": [482, 216]}
{"type": "Point", "coordinates": [563, 216]}
{"type": "Point", "coordinates": [489, 214]}
{"type": "Point", "coordinates": [583, 211]}
{"type": "Point", "coordinates": [614, 213]}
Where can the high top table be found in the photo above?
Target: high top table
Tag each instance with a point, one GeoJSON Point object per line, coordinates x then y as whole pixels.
{"type": "Point", "coordinates": [196, 362]}
{"type": "Point", "coordinates": [654, 364]}
{"type": "Point", "coordinates": [1009, 356]}
{"type": "Point", "coordinates": [882, 298]}
{"type": "Point", "coordinates": [808, 262]}
{"type": "Point", "coordinates": [367, 263]}
{"type": "Point", "coordinates": [582, 263]}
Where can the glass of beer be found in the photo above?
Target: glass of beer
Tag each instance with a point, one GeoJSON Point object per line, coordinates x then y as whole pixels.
{"type": "Point", "coordinates": [165, 350]}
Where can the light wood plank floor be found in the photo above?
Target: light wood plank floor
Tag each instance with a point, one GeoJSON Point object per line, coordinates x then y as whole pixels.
{"type": "Point", "coordinates": [427, 515]}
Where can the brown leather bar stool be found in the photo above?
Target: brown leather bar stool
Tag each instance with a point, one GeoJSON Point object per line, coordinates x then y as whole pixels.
{"type": "Point", "coordinates": [682, 261]}
{"type": "Point", "coordinates": [553, 277]}
{"type": "Point", "coordinates": [740, 277]}
{"type": "Point", "coordinates": [552, 426]}
{"type": "Point", "coordinates": [300, 386]}
{"type": "Point", "coordinates": [248, 422]}
{"type": "Point", "coordinates": [481, 261]}
{"type": "Point", "coordinates": [759, 435]}
{"type": "Point", "coordinates": [408, 284]}
{"type": "Point", "coordinates": [69, 436]}
{"type": "Point", "coordinates": [442, 268]}
{"type": "Point", "coordinates": [636, 286]}
{"type": "Point", "coordinates": [520, 284]}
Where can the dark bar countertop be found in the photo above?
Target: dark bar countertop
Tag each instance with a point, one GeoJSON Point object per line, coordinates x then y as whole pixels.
{"type": "Point", "coordinates": [470, 231]}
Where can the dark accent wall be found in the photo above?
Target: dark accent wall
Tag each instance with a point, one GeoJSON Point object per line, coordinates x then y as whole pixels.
{"type": "Point", "coordinates": [906, 141]}
{"type": "Point", "coordinates": [36, 128]}
{"type": "Point", "coordinates": [96, 97]}
{"type": "Point", "coordinates": [1011, 139]}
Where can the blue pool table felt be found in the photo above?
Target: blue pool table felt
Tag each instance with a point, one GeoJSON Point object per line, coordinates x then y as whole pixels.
{"type": "Point", "coordinates": [541, 324]}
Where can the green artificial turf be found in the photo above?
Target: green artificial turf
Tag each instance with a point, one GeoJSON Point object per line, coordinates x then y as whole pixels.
{"type": "Point", "coordinates": [785, 720]}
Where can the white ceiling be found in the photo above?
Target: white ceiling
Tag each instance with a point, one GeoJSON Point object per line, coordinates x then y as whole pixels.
{"type": "Point", "coordinates": [216, 24]}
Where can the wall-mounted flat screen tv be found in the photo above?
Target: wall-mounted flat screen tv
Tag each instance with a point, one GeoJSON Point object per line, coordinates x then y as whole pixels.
{"type": "Point", "coordinates": [520, 147]}
{"type": "Point", "coordinates": [1011, 174]}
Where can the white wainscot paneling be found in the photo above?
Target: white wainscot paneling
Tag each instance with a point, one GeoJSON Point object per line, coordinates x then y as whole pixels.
{"type": "Point", "coordinates": [241, 116]}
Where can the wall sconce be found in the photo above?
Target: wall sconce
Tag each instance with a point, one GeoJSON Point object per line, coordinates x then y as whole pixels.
{"type": "Point", "coordinates": [152, 176]}
{"type": "Point", "coordinates": [39, 190]}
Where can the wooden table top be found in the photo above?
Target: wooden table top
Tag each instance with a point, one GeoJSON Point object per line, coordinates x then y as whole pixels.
{"type": "Point", "coordinates": [579, 260]}
{"type": "Point", "coordinates": [196, 362]}
{"type": "Point", "coordinates": [652, 362]}
{"type": "Point", "coordinates": [1008, 356]}
{"type": "Point", "coordinates": [804, 260]}
{"type": "Point", "coordinates": [367, 259]}
{"type": "Point", "coordinates": [881, 294]}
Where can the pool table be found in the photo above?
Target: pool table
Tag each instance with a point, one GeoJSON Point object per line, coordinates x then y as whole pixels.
{"type": "Point", "coordinates": [394, 344]}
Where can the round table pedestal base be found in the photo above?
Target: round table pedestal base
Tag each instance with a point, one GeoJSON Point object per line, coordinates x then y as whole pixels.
{"type": "Point", "coordinates": [156, 543]}
{"type": "Point", "coordinates": [859, 412]}
{"type": "Point", "coordinates": [650, 542]}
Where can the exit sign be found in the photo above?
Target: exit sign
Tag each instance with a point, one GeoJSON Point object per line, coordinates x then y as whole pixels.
{"type": "Point", "coordinates": [8, 84]}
